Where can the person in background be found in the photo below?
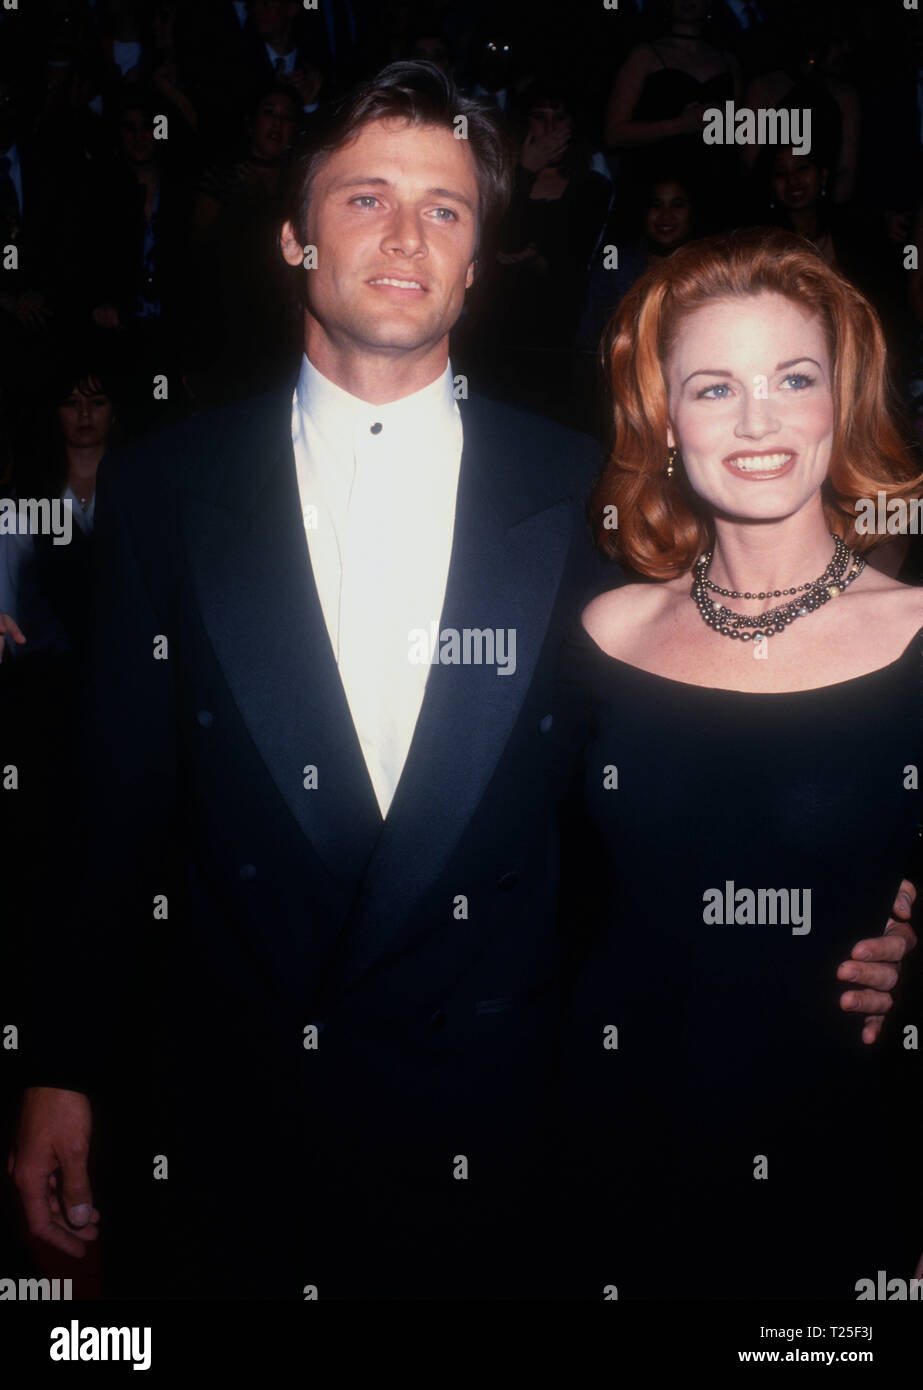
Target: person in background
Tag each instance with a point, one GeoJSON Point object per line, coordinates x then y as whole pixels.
{"type": "Point", "coordinates": [657, 104]}
{"type": "Point", "coordinates": [47, 589]}
{"type": "Point", "coordinates": [850, 239]}
{"type": "Point", "coordinates": [243, 330]}
{"type": "Point", "coordinates": [813, 75]}
{"type": "Point", "coordinates": [668, 220]}
{"type": "Point", "coordinates": [556, 219]}
{"type": "Point", "coordinates": [134, 237]}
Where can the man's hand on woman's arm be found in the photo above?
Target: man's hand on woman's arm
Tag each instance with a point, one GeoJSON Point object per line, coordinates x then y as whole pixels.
{"type": "Point", "coordinates": [874, 965]}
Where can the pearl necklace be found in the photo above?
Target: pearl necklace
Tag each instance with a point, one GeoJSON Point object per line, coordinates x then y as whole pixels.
{"type": "Point", "coordinates": [844, 567]}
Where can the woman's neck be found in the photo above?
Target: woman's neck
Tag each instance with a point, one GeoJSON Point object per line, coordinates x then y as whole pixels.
{"type": "Point", "coordinates": [805, 222]}
{"type": "Point", "coordinates": [83, 463]}
{"type": "Point", "coordinates": [687, 36]}
{"type": "Point", "coordinates": [761, 557]}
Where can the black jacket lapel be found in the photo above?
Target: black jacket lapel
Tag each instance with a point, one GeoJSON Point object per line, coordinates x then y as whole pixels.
{"type": "Point", "coordinates": [505, 571]}
{"type": "Point", "coordinates": [255, 588]}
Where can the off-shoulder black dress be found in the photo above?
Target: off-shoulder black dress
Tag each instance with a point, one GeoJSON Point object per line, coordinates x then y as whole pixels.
{"type": "Point", "coordinates": [726, 1133]}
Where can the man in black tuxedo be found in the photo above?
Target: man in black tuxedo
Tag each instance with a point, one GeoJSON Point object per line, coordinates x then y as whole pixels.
{"type": "Point", "coordinates": [311, 994]}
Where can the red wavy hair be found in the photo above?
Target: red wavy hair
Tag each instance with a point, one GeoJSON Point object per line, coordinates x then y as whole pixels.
{"type": "Point", "coordinates": [661, 530]}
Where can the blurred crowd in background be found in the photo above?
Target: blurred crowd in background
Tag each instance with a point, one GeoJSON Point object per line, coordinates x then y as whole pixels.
{"type": "Point", "coordinates": [143, 157]}
{"type": "Point", "coordinates": [144, 149]}
{"type": "Point", "coordinates": [147, 246]}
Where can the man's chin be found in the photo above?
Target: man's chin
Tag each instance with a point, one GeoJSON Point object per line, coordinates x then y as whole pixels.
{"type": "Point", "coordinates": [401, 336]}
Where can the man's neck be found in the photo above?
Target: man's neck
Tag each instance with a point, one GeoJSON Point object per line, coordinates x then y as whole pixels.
{"type": "Point", "coordinates": [375, 377]}
{"type": "Point", "coordinates": [281, 43]}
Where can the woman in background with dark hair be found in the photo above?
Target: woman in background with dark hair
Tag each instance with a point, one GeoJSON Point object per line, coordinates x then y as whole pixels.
{"type": "Point", "coordinates": [533, 297]}
{"type": "Point", "coordinates": [47, 588]}
{"type": "Point", "coordinates": [798, 189]}
{"type": "Point", "coordinates": [813, 76]}
{"type": "Point", "coordinates": [556, 217]}
{"type": "Point", "coordinates": [134, 247]}
{"type": "Point", "coordinates": [47, 602]}
{"type": "Point", "coordinates": [245, 326]}
{"type": "Point", "coordinates": [754, 801]}
{"type": "Point", "coordinates": [657, 104]}
{"type": "Point", "coordinates": [667, 213]}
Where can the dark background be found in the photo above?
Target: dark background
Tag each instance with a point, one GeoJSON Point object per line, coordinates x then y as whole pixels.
{"type": "Point", "coordinates": [140, 256]}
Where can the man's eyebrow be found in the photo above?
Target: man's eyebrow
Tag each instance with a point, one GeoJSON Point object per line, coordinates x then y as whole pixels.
{"type": "Point", "coordinates": [375, 180]}
{"type": "Point", "coordinates": [358, 179]}
{"type": "Point", "coordinates": [453, 194]}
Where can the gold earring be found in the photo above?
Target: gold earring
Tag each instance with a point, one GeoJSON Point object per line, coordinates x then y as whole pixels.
{"type": "Point", "coordinates": [670, 460]}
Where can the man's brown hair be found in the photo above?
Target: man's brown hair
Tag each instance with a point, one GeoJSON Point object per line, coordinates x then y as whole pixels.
{"type": "Point", "coordinates": [422, 94]}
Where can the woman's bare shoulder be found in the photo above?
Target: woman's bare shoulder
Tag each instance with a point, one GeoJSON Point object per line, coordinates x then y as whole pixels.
{"type": "Point", "coordinates": [892, 611]}
{"type": "Point", "coordinates": [607, 616]}
{"type": "Point", "coordinates": [903, 601]}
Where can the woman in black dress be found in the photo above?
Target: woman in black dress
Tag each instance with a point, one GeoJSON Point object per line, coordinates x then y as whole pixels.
{"type": "Point", "coordinates": [657, 104]}
{"type": "Point", "coordinates": [752, 788]}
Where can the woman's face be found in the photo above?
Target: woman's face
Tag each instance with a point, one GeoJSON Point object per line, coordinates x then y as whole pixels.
{"type": "Point", "coordinates": [550, 118]}
{"type": "Point", "coordinates": [273, 126]}
{"type": "Point", "coordinates": [796, 180]}
{"type": "Point", "coordinates": [86, 417]}
{"type": "Point", "coordinates": [688, 11]}
{"type": "Point", "coordinates": [751, 405]}
{"type": "Point", "coordinates": [136, 135]}
{"type": "Point", "coordinates": [669, 216]}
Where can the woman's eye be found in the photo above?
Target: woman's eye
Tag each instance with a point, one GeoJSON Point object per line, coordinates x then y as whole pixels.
{"type": "Point", "coordinates": [705, 393]}
{"type": "Point", "coordinates": [799, 376]}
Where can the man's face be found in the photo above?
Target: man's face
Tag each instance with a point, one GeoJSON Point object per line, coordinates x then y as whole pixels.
{"type": "Point", "coordinates": [270, 16]}
{"type": "Point", "coordinates": [393, 216]}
